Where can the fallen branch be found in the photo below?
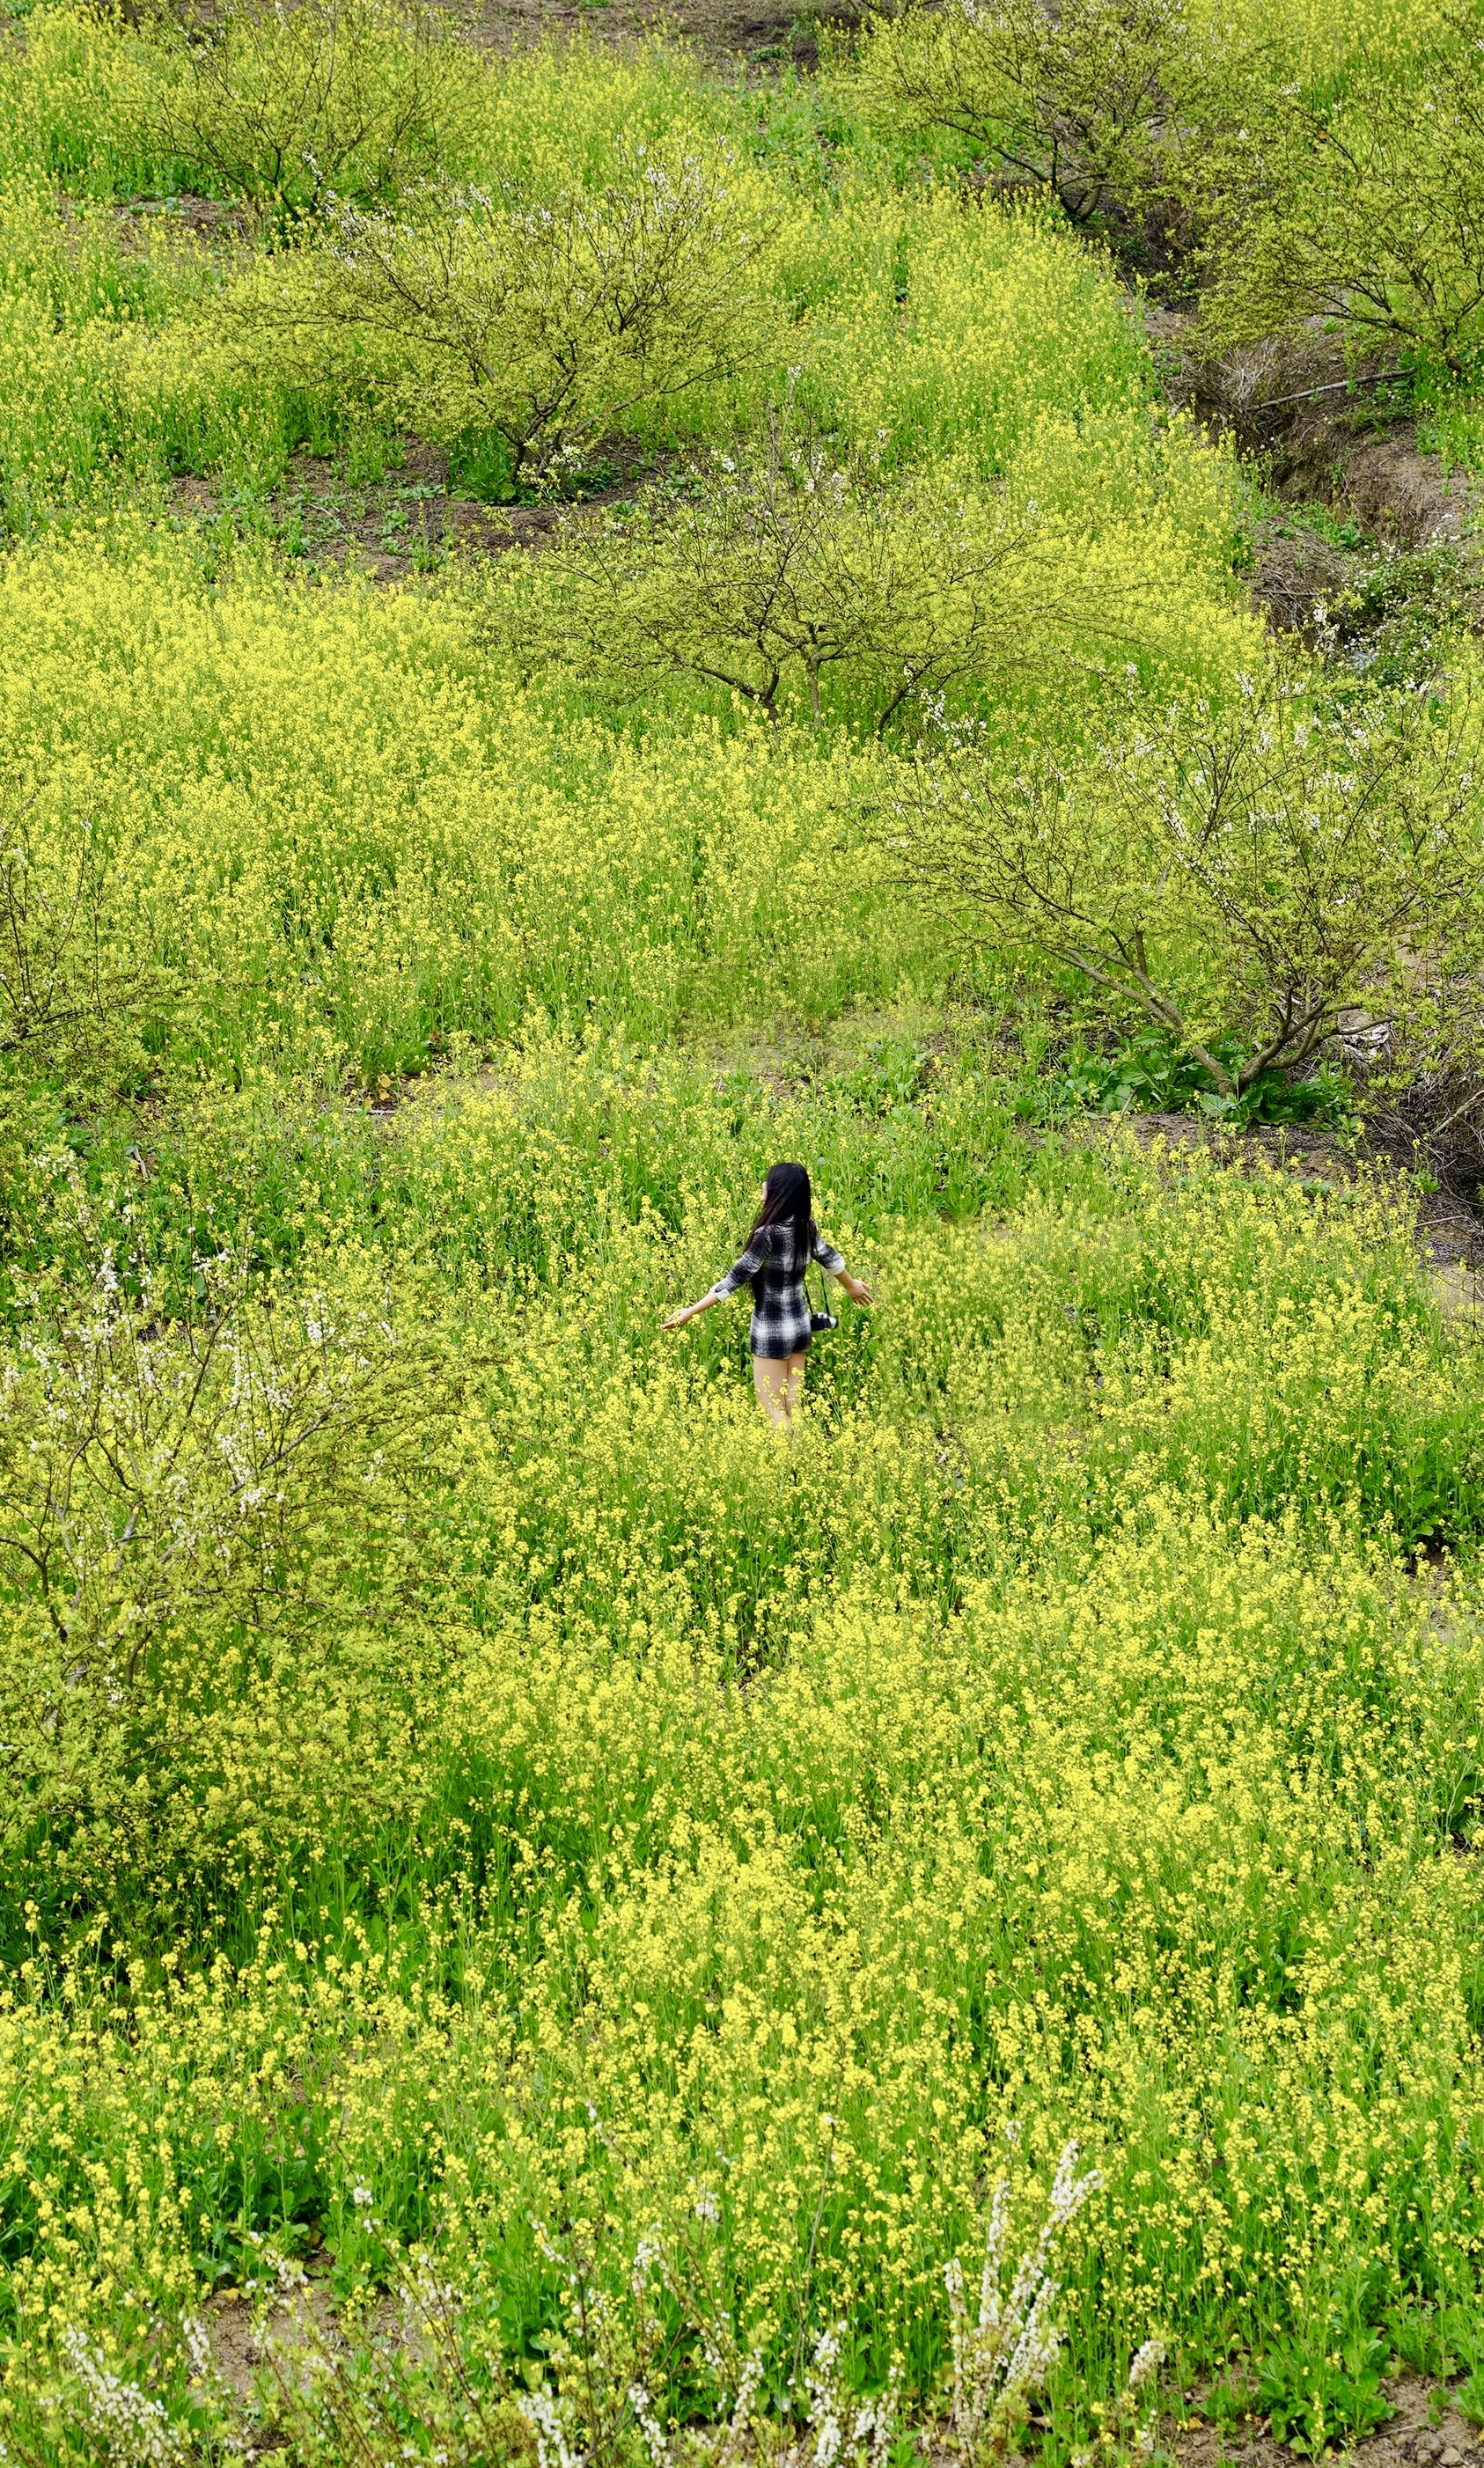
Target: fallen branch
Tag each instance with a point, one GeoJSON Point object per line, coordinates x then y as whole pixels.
{"type": "Point", "coordinates": [1339, 385]}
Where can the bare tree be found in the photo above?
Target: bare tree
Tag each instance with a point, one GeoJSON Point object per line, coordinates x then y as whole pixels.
{"type": "Point", "coordinates": [157, 1465]}
{"type": "Point", "coordinates": [1075, 99]}
{"type": "Point", "coordinates": [212, 1512]}
{"type": "Point", "coordinates": [1275, 869]}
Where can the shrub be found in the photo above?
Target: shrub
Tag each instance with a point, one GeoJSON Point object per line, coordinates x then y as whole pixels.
{"type": "Point", "coordinates": [289, 108]}
{"type": "Point", "coordinates": [84, 987]}
{"type": "Point", "coordinates": [215, 1467]}
{"type": "Point", "coordinates": [544, 325]}
{"type": "Point", "coordinates": [1363, 210]}
{"type": "Point", "coordinates": [1278, 870]}
{"type": "Point", "coordinates": [79, 970]}
{"type": "Point", "coordinates": [1075, 99]}
{"type": "Point", "coordinates": [785, 563]}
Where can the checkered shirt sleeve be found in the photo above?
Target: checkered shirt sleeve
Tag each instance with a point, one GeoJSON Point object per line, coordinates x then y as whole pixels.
{"type": "Point", "coordinates": [742, 1270]}
{"type": "Point", "coordinates": [757, 1255]}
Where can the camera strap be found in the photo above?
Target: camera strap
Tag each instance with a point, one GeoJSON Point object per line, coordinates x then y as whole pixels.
{"type": "Point", "coordinates": [824, 1319]}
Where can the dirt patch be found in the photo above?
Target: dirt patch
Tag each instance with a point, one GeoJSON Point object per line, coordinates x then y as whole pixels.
{"type": "Point", "coordinates": [1339, 446]}
{"type": "Point", "coordinates": [1296, 575]}
{"type": "Point", "coordinates": [408, 521]}
{"type": "Point", "coordinates": [243, 2342]}
{"type": "Point", "coordinates": [1411, 2440]}
{"type": "Point", "coordinates": [1325, 435]}
{"type": "Point", "coordinates": [302, 2325]}
{"type": "Point", "coordinates": [214, 219]}
{"type": "Point", "coordinates": [767, 34]}
{"type": "Point", "coordinates": [1399, 493]}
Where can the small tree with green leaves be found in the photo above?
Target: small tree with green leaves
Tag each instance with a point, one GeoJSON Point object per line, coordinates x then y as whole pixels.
{"type": "Point", "coordinates": [288, 107]}
{"type": "Point", "coordinates": [79, 972]}
{"type": "Point", "coordinates": [1274, 872]}
{"type": "Point", "coordinates": [790, 561]}
{"type": "Point", "coordinates": [1077, 99]}
{"type": "Point", "coordinates": [1364, 212]}
{"type": "Point", "coordinates": [544, 325]}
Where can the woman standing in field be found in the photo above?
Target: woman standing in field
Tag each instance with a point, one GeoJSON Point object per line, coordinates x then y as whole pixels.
{"type": "Point", "coordinates": [783, 1240]}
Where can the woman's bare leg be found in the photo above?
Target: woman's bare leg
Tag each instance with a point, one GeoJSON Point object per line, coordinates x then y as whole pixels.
{"type": "Point", "coordinates": [771, 1379]}
{"type": "Point", "coordinates": [779, 1387]}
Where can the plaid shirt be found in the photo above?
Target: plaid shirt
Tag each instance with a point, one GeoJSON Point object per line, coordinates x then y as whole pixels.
{"type": "Point", "coordinates": [780, 1321]}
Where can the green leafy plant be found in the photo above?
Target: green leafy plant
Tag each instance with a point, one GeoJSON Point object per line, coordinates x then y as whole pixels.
{"type": "Point", "coordinates": [1325, 2383]}
{"type": "Point", "coordinates": [894, 1073]}
{"type": "Point", "coordinates": [1314, 2394]}
{"type": "Point", "coordinates": [1403, 613]}
{"type": "Point", "coordinates": [1151, 1072]}
{"type": "Point", "coordinates": [287, 108]}
{"type": "Point", "coordinates": [520, 330]}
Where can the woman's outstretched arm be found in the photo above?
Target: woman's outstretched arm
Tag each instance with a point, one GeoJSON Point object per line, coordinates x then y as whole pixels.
{"type": "Point", "coordinates": [737, 1275]}
{"type": "Point", "coordinates": [834, 1261]}
{"type": "Point", "coordinates": [692, 1311]}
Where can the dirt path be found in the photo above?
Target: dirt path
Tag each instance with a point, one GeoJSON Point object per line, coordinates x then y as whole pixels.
{"type": "Point", "coordinates": [761, 34]}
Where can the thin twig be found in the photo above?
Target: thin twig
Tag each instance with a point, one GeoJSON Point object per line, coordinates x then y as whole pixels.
{"type": "Point", "coordinates": [1448, 1120]}
{"type": "Point", "coordinates": [1340, 385]}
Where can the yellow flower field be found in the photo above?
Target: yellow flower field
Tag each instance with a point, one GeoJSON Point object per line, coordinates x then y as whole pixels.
{"type": "Point", "coordinates": [490, 1828]}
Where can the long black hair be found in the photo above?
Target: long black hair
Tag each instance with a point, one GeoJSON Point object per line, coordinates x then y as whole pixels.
{"type": "Point", "coordinates": [787, 1201]}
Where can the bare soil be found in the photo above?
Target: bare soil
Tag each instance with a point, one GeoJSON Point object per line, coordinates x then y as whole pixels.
{"type": "Point", "coordinates": [766, 35]}
{"type": "Point", "coordinates": [1324, 434]}
{"type": "Point", "coordinates": [216, 219]}
{"type": "Point", "coordinates": [408, 521]}
{"type": "Point", "coordinates": [1317, 435]}
{"type": "Point", "coordinates": [244, 2343]}
{"type": "Point", "coordinates": [1425, 2432]}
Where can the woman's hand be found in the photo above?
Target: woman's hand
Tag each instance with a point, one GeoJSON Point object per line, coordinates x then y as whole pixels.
{"type": "Point", "coordinates": [677, 1319]}
{"type": "Point", "coordinates": [857, 1290]}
